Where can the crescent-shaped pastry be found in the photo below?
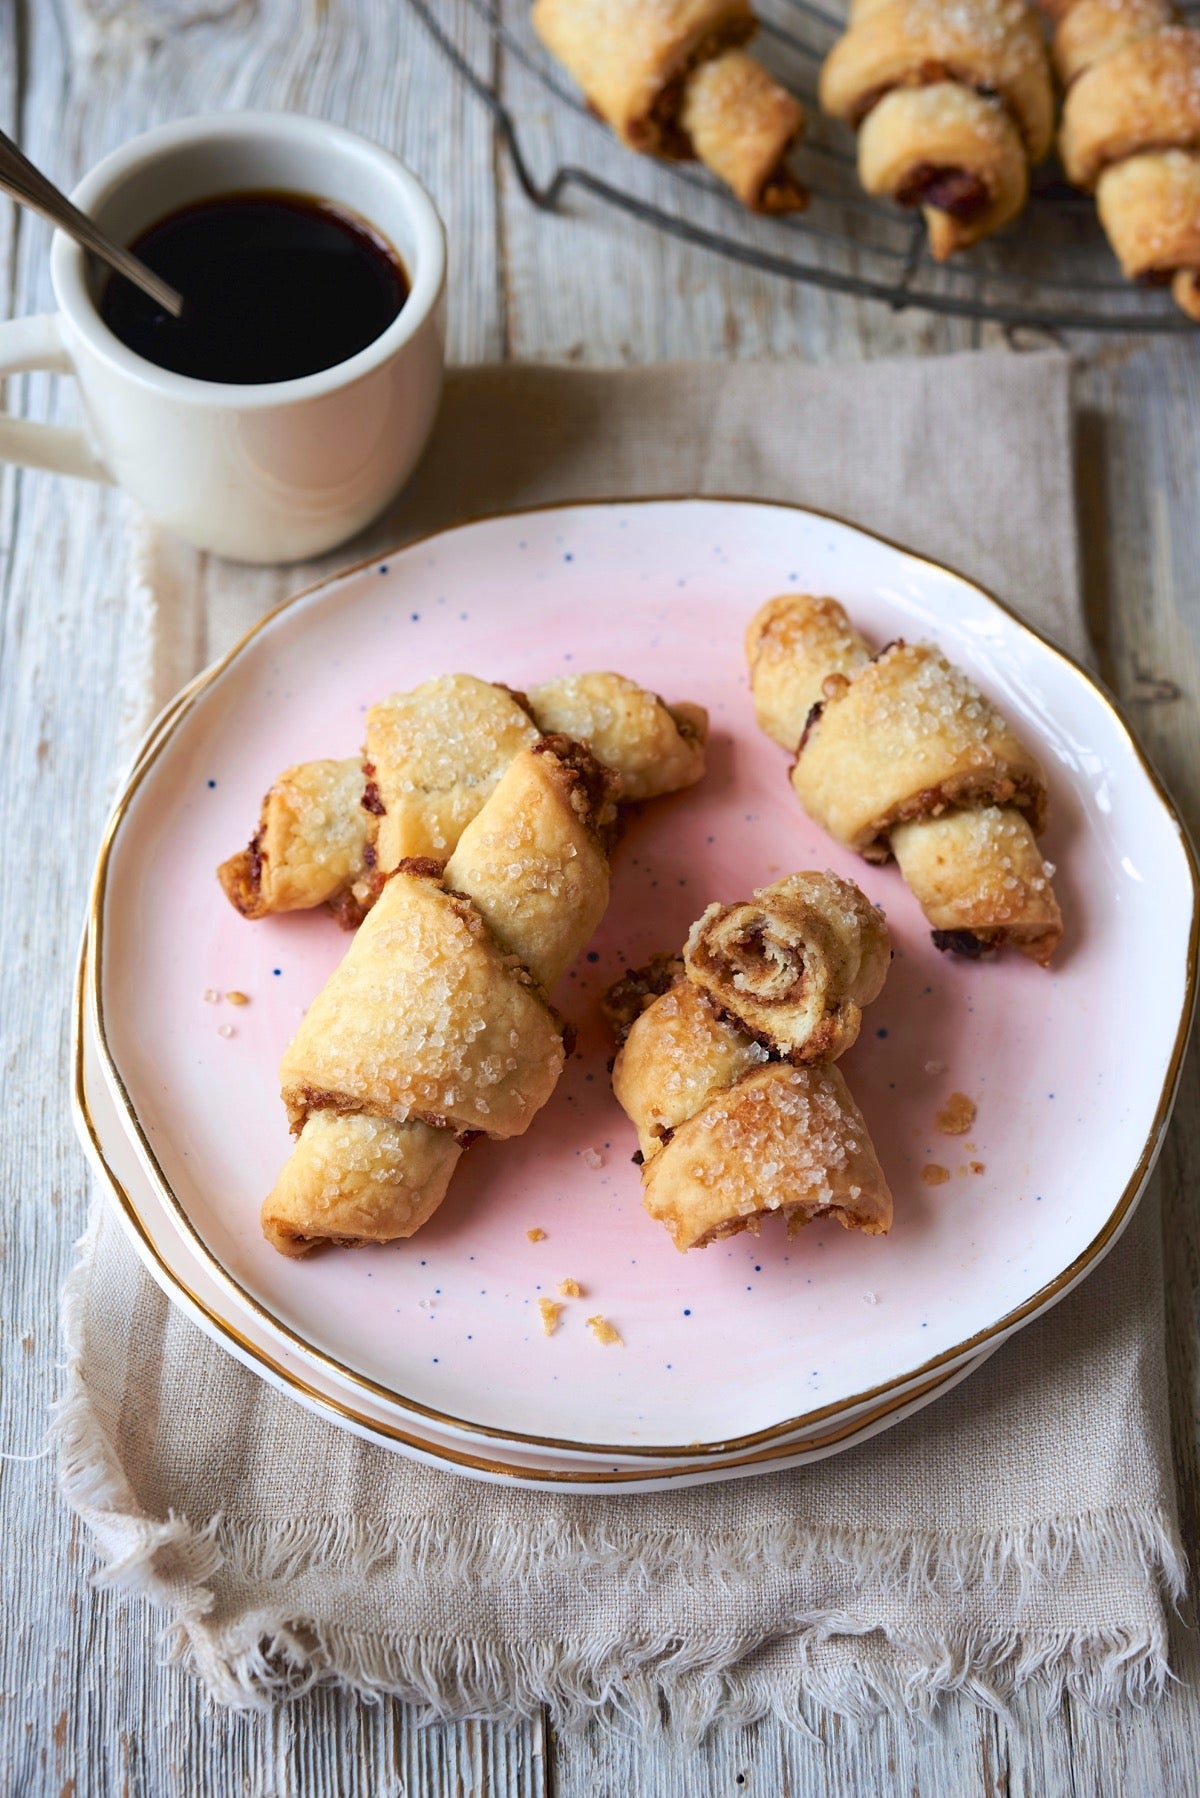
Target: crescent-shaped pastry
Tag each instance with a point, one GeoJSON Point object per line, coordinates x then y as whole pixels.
{"type": "Point", "coordinates": [742, 125]}
{"type": "Point", "coordinates": [433, 757]}
{"type": "Point", "coordinates": [330, 831]}
{"type": "Point", "coordinates": [310, 845]}
{"type": "Point", "coordinates": [736, 1115]}
{"type": "Point", "coordinates": [1131, 132]}
{"type": "Point", "coordinates": [1143, 96]}
{"type": "Point", "coordinates": [435, 1028]}
{"type": "Point", "coordinates": [671, 79]}
{"type": "Point", "coordinates": [900, 754]}
{"type": "Point", "coordinates": [631, 57]}
{"type": "Point", "coordinates": [952, 104]}
{"type": "Point", "coordinates": [656, 748]}
{"type": "Point", "coordinates": [1150, 207]}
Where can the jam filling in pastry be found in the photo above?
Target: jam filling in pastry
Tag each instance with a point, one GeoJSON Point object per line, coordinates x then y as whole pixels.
{"type": "Point", "coordinates": [331, 831]}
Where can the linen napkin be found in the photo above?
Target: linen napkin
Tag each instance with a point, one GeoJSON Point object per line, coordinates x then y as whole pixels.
{"type": "Point", "coordinates": [1022, 1527]}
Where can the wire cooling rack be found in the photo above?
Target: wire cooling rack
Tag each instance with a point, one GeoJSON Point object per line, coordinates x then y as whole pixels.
{"type": "Point", "coordinates": [1053, 270]}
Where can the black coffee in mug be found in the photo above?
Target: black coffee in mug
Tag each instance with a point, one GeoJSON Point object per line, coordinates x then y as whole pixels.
{"type": "Point", "coordinates": [274, 285]}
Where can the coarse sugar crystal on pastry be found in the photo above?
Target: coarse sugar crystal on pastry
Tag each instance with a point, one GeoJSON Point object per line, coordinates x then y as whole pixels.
{"type": "Point", "coordinates": [353, 1178]}
{"type": "Point", "coordinates": [426, 1018]}
{"type": "Point", "coordinates": [742, 125]}
{"type": "Point", "coordinates": [902, 755]}
{"type": "Point", "coordinates": [794, 643]}
{"type": "Point", "coordinates": [909, 735]}
{"type": "Point", "coordinates": [434, 1018]}
{"type": "Point", "coordinates": [656, 748]}
{"type": "Point", "coordinates": [534, 860]}
{"type": "Point", "coordinates": [310, 846]}
{"type": "Point", "coordinates": [980, 873]}
{"type": "Point", "coordinates": [729, 1131]}
{"type": "Point", "coordinates": [433, 757]}
{"type": "Point", "coordinates": [676, 1056]}
{"type": "Point", "coordinates": [953, 104]}
{"type": "Point", "coordinates": [1131, 132]}
{"type": "Point", "coordinates": [783, 1141]}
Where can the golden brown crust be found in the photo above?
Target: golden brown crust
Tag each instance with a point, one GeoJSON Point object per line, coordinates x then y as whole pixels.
{"type": "Point", "coordinates": [357, 1179]}
{"type": "Point", "coordinates": [632, 59]}
{"type": "Point", "coordinates": [952, 104]}
{"type": "Point", "coordinates": [991, 46]}
{"type": "Point", "coordinates": [742, 125]}
{"type": "Point", "coordinates": [782, 1140]}
{"type": "Point", "coordinates": [434, 756]}
{"type": "Point", "coordinates": [655, 748]}
{"type": "Point", "coordinates": [955, 153]}
{"type": "Point", "coordinates": [909, 737]}
{"type": "Point", "coordinates": [980, 872]}
{"type": "Point", "coordinates": [677, 1053]}
{"type": "Point", "coordinates": [534, 861]}
{"type": "Point", "coordinates": [424, 1017]}
{"type": "Point", "coordinates": [1090, 30]}
{"type": "Point", "coordinates": [310, 845]}
{"type": "Point", "coordinates": [793, 643]}
{"type": "Point", "coordinates": [1149, 206]}
{"type": "Point", "coordinates": [905, 756]}
{"type": "Point", "coordinates": [794, 967]}
{"type": "Point", "coordinates": [1145, 96]}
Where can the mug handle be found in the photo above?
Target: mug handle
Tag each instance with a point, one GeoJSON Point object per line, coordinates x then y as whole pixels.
{"type": "Point", "coordinates": [27, 343]}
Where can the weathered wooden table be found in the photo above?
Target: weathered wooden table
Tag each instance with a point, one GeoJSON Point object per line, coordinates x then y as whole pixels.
{"type": "Point", "coordinates": [85, 1706]}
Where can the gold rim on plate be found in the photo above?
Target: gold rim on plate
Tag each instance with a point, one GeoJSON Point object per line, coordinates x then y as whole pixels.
{"type": "Point", "coordinates": [164, 730]}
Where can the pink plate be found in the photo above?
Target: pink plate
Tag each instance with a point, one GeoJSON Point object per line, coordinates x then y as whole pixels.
{"type": "Point", "coordinates": [1072, 1070]}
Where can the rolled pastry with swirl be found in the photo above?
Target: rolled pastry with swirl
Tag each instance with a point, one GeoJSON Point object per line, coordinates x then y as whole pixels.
{"type": "Point", "coordinates": [1131, 133]}
{"type": "Point", "coordinates": [743, 126]}
{"type": "Point", "coordinates": [795, 965]}
{"type": "Point", "coordinates": [671, 79]}
{"type": "Point", "coordinates": [899, 754]}
{"type": "Point", "coordinates": [329, 831]}
{"type": "Point", "coordinates": [952, 105]}
{"type": "Point", "coordinates": [736, 1122]}
{"type": "Point", "coordinates": [436, 1027]}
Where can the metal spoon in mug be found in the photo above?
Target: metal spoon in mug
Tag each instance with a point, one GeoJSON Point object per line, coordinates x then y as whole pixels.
{"type": "Point", "coordinates": [19, 178]}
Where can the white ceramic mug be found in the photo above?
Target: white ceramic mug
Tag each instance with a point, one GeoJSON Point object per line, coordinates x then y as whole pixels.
{"type": "Point", "coordinates": [270, 473]}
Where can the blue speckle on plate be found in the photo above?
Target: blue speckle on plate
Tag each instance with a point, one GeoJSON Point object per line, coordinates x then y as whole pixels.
{"type": "Point", "coordinates": [881, 1033]}
{"type": "Point", "coordinates": [277, 970]}
{"type": "Point", "coordinates": [383, 568]}
{"type": "Point", "coordinates": [212, 783]}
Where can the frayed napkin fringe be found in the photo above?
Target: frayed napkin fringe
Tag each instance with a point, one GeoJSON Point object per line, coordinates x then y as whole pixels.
{"type": "Point", "coordinates": [911, 1565]}
{"type": "Point", "coordinates": [689, 1684]}
{"type": "Point", "coordinates": [664, 1683]}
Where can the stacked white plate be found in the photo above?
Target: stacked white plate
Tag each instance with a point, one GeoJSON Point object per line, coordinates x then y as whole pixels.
{"type": "Point", "coordinates": [756, 1353]}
